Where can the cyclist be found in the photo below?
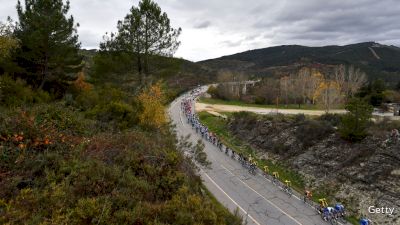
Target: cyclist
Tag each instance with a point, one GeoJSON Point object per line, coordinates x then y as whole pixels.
{"type": "Point", "coordinates": [328, 213]}
{"type": "Point", "coordinates": [307, 195]}
{"type": "Point", "coordinates": [322, 204]}
{"type": "Point", "coordinates": [287, 188]}
{"type": "Point", "coordinates": [266, 170]}
{"type": "Point", "coordinates": [365, 221]}
{"type": "Point", "coordinates": [275, 177]}
{"type": "Point", "coordinates": [340, 209]}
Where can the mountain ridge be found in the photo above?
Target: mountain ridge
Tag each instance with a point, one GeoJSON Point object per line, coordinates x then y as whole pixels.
{"type": "Point", "coordinates": [377, 60]}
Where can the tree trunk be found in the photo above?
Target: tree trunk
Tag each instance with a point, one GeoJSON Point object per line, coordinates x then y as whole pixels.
{"type": "Point", "coordinates": [46, 67]}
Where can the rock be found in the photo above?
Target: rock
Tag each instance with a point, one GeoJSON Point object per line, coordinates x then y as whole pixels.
{"type": "Point", "coordinates": [367, 173]}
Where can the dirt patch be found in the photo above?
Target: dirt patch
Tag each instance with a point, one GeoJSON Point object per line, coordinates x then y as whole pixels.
{"type": "Point", "coordinates": [232, 108]}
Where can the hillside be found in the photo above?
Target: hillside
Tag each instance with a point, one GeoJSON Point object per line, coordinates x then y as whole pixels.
{"type": "Point", "coordinates": [356, 174]}
{"type": "Point", "coordinates": [378, 61]}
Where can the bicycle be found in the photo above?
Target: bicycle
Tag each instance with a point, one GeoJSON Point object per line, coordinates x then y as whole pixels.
{"type": "Point", "coordinates": [333, 220]}
{"type": "Point", "coordinates": [275, 176]}
{"type": "Point", "coordinates": [286, 188]}
{"type": "Point", "coordinates": [252, 169]}
{"type": "Point", "coordinates": [266, 171]}
{"type": "Point", "coordinates": [307, 198]}
{"type": "Point", "coordinates": [341, 216]}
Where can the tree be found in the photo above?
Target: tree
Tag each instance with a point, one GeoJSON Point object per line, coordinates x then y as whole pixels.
{"type": "Point", "coordinates": [49, 41]}
{"type": "Point", "coordinates": [8, 42]}
{"type": "Point", "coordinates": [329, 94]}
{"type": "Point", "coordinates": [315, 81]}
{"type": "Point", "coordinates": [144, 32]}
{"type": "Point", "coordinates": [354, 123]}
{"type": "Point", "coordinates": [231, 86]}
{"type": "Point", "coordinates": [152, 114]}
{"type": "Point", "coordinates": [398, 86]}
{"type": "Point", "coordinates": [302, 80]}
{"type": "Point", "coordinates": [355, 79]}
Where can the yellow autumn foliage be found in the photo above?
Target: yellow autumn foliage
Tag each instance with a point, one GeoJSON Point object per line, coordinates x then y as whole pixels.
{"type": "Point", "coordinates": [80, 83]}
{"type": "Point", "coordinates": [152, 114]}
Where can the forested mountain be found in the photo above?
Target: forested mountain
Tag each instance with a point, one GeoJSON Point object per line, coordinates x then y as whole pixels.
{"type": "Point", "coordinates": [378, 61]}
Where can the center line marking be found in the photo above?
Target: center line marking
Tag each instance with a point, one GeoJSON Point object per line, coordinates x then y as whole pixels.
{"type": "Point", "coordinates": [216, 185]}
{"type": "Point", "coordinates": [264, 198]}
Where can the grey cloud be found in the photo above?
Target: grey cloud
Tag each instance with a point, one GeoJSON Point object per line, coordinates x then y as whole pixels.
{"type": "Point", "coordinates": [241, 24]}
{"type": "Point", "coordinates": [202, 25]}
{"type": "Point", "coordinates": [230, 43]}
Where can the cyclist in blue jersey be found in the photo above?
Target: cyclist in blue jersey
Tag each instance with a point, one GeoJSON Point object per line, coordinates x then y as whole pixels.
{"type": "Point", "coordinates": [340, 209]}
{"type": "Point", "coordinates": [365, 221]}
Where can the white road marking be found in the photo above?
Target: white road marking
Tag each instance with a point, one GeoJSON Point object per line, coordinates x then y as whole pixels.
{"type": "Point", "coordinates": [180, 117]}
{"type": "Point", "coordinates": [216, 185]}
{"type": "Point", "coordinates": [264, 198]}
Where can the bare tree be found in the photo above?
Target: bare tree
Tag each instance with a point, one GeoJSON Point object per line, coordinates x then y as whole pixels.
{"type": "Point", "coordinates": [349, 80]}
{"type": "Point", "coordinates": [340, 78]}
{"type": "Point", "coordinates": [313, 84]}
{"type": "Point", "coordinates": [285, 88]}
{"type": "Point", "coordinates": [302, 80]}
{"type": "Point", "coordinates": [329, 94]}
{"type": "Point", "coordinates": [355, 80]}
{"type": "Point", "coordinates": [231, 84]}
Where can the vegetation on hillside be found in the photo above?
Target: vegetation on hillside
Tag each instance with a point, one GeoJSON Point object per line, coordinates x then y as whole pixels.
{"type": "Point", "coordinates": [264, 62]}
{"type": "Point", "coordinates": [82, 142]}
{"type": "Point", "coordinates": [354, 123]}
{"type": "Point", "coordinates": [308, 86]}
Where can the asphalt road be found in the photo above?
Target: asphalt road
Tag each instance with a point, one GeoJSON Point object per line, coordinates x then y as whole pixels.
{"type": "Point", "coordinates": [259, 201]}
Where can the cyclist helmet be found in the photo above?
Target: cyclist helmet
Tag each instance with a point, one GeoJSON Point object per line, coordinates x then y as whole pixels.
{"type": "Point", "coordinates": [339, 207]}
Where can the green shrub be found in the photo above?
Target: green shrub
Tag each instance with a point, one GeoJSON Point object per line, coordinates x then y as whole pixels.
{"type": "Point", "coordinates": [17, 93]}
{"type": "Point", "coordinates": [213, 91]}
{"type": "Point", "coordinates": [87, 100]}
{"type": "Point", "coordinates": [118, 112]}
{"type": "Point", "coordinates": [332, 118]}
{"type": "Point", "coordinates": [259, 100]}
{"type": "Point", "coordinates": [299, 118]}
{"type": "Point", "coordinates": [312, 131]}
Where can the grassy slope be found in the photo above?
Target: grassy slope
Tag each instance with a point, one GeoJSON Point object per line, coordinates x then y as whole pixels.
{"type": "Point", "coordinates": [219, 126]}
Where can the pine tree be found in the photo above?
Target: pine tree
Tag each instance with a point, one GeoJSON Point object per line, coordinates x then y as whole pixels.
{"type": "Point", "coordinates": [49, 41]}
{"type": "Point", "coordinates": [144, 32]}
{"type": "Point", "coordinates": [354, 123]}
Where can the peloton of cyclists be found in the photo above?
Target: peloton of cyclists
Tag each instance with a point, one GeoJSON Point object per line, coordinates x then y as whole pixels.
{"type": "Point", "coordinates": [327, 212]}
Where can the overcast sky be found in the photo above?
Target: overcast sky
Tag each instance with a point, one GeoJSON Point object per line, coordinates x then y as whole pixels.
{"type": "Point", "coordinates": [212, 28]}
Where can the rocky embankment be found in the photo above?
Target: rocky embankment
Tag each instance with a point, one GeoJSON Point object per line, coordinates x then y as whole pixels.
{"type": "Point", "coordinates": [358, 174]}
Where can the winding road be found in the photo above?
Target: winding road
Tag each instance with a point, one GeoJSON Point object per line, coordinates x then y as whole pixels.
{"type": "Point", "coordinates": [259, 201]}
